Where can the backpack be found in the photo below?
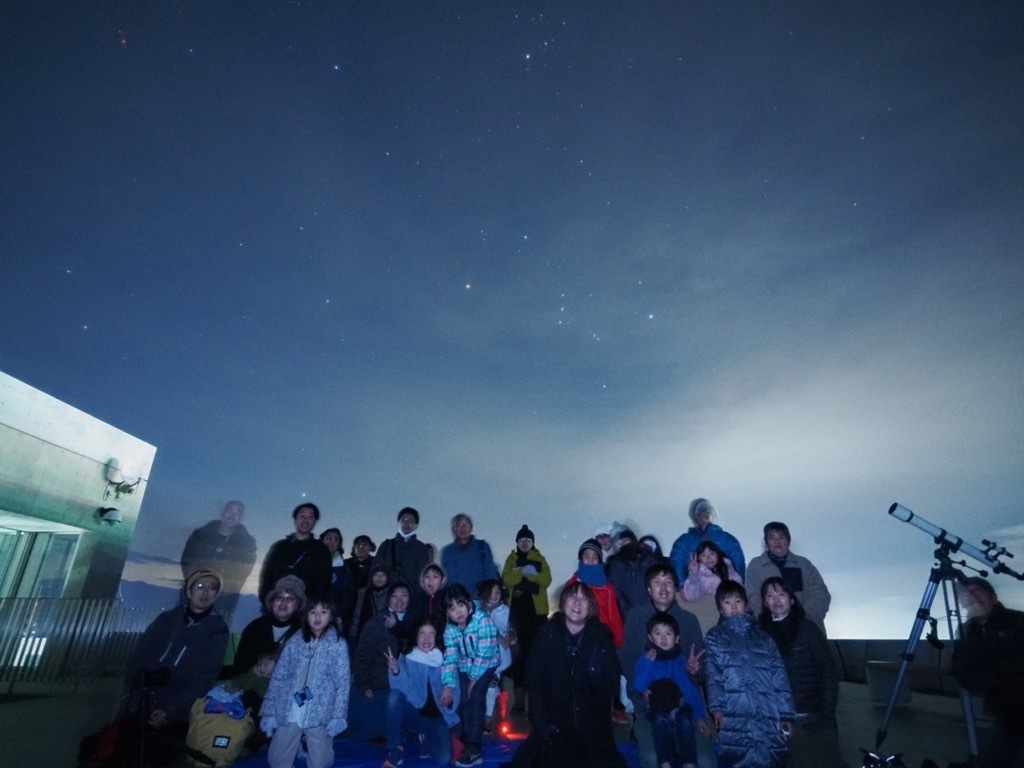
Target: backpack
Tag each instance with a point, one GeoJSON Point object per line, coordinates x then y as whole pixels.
{"type": "Point", "coordinates": [215, 738]}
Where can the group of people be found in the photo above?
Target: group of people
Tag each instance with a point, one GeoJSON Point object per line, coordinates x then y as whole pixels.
{"type": "Point", "coordinates": [721, 661]}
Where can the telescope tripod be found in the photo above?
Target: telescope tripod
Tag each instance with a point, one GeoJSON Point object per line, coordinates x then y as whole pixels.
{"type": "Point", "coordinates": [945, 574]}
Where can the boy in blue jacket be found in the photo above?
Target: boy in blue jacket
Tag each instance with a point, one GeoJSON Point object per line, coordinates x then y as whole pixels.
{"type": "Point", "coordinates": [674, 705]}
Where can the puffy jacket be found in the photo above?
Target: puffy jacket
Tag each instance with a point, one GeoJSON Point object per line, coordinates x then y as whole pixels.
{"type": "Point", "coordinates": [327, 678]}
{"type": "Point", "coordinates": [747, 682]}
{"type": "Point", "coordinates": [536, 585]}
{"type": "Point", "coordinates": [812, 672]}
{"type": "Point", "coordinates": [688, 542]}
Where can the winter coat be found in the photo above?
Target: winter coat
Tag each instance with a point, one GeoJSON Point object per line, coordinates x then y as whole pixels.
{"type": "Point", "coordinates": [801, 576]}
{"type": "Point", "coordinates": [231, 556]}
{"type": "Point", "coordinates": [369, 663]}
{"type": "Point", "coordinates": [328, 680]}
{"type": "Point", "coordinates": [342, 591]}
{"type": "Point", "coordinates": [522, 584]}
{"type": "Point", "coordinates": [747, 682]}
{"type": "Point", "coordinates": [471, 650]}
{"type": "Point", "coordinates": [812, 672]}
{"type": "Point", "coordinates": [309, 559]}
{"type": "Point", "coordinates": [570, 682]}
{"type": "Point", "coordinates": [404, 559]}
{"type": "Point", "coordinates": [670, 665]}
{"type": "Point", "coordinates": [627, 571]}
{"type": "Point", "coordinates": [704, 581]}
{"type": "Point", "coordinates": [258, 638]}
{"type": "Point", "coordinates": [607, 608]}
{"type": "Point", "coordinates": [470, 564]}
{"type": "Point", "coordinates": [413, 678]}
{"type": "Point", "coordinates": [190, 648]}
{"type": "Point", "coordinates": [634, 642]}
{"type": "Point", "coordinates": [989, 661]}
{"type": "Point", "coordinates": [686, 544]}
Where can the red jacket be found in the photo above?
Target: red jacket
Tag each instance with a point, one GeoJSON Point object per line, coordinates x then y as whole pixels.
{"type": "Point", "coordinates": [607, 609]}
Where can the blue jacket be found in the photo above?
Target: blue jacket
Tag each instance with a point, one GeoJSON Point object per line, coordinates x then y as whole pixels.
{"type": "Point", "coordinates": [686, 544]}
{"type": "Point", "coordinates": [672, 667]}
{"type": "Point", "coordinates": [412, 680]}
{"type": "Point", "coordinates": [468, 565]}
{"type": "Point", "coordinates": [747, 682]}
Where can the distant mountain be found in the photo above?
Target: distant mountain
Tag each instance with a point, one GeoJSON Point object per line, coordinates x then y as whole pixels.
{"type": "Point", "coordinates": [142, 594]}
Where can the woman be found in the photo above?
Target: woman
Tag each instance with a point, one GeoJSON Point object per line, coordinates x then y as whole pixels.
{"type": "Point", "coordinates": [361, 560]}
{"type": "Point", "coordinates": [342, 590]}
{"type": "Point", "coordinates": [812, 676]}
{"type": "Point", "coordinates": [527, 576]}
{"type": "Point", "coordinates": [413, 706]}
{"type": "Point", "coordinates": [572, 674]}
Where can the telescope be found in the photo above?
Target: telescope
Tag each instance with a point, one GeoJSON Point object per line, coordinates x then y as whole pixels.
{"type": "Point", "coordinates": [989, 556]}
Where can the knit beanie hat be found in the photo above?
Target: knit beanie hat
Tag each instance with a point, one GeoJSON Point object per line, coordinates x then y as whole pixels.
{"type": "Point", "coordinates": [525, 533]}
{"type": "Point", "coordinates": [293, 585]}
{"type": "Point", "coordinates": [624, 533]}
{"type": "Point", "coordinates": [202, 573]}
{"type": "Point", "coordinates": [592, 545]}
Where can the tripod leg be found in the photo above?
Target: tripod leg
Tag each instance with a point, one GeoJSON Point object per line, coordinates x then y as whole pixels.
{"type": "Point", "coordinates": [965, 698]}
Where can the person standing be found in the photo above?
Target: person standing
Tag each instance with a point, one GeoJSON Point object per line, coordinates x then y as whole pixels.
{"type": "Point", "coordinates": [705, 527]}
{"type": "Point", "coordinates": [298, 554]}
{"type": "Point", "coordinates": [798, 572]}
{"type": "Point", "coordinates": [527, 576]}
{"type": "Point", "coordinates": [467, 560]}
{"type": "Point", "coordinates": [988, 659]}
{"type": "Point", "coordinates": [226, 546]}
{"type": "Point", "coordinates": [404, 555]}
{"type": "Point", "coordinates": [361, 561]}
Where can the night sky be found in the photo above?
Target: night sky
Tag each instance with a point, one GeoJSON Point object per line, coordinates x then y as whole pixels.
{"type": "Point", "coordinates": [551, 263]}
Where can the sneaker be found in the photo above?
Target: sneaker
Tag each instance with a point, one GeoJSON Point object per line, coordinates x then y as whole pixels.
{"type": "Point", "coordinates": [394, 757]}
{"type": "Point", "coordinates": [470, 756]}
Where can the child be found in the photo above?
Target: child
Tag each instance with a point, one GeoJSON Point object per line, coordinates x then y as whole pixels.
{"type": "Point", "coordinates": [429, 600]}
{"type": "Point", "coordinates": [253, 683]}
{"type": "Point", "coordinates": [674, 704]}
{"type": "Point", "coordinates": [414, 700]}
{"type": "Point", "coordinates": [372, 600]}
{"type": "Point", "coordinates": [491, 597]}
{"type": "Point", "coordinates": [591, 572]}
{"type": "Point", "coordinates": [308, 693]}
{"type": "Point", "coordinates": [470, 658]}
{"type": "Point", "coordinates": [747, 687]}
{"type": "Point", "coordinates": [707, 569]}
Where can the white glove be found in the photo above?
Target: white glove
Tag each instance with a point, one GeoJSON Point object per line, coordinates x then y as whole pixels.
{"type": "Point", "coordinates": [268, 725]}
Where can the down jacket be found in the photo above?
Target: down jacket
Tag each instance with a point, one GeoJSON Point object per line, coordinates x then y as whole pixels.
{"type": "Point", "coordinates": [812, 672]}
{"type": "Point", "coordinates": [747, 682]}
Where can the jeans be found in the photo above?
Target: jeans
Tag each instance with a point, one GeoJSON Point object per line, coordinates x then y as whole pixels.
{"type": "Point", "coordinates": [674, 739]}
{"type": "Point", "coordinates": [472, 706]}
{"type": "Point", "coordinates": [402, 717]}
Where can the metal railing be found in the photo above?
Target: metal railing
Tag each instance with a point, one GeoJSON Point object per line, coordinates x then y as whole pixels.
{"type": "Point", "coordinates": [61, 640]}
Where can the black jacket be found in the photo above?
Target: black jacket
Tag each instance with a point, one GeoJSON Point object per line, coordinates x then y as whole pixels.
{"type": "Point", "coordinates": [309, 559]}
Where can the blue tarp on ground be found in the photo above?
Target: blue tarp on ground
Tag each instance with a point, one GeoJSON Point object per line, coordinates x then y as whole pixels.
{"type": "Point", "coordinates": [360, 754]}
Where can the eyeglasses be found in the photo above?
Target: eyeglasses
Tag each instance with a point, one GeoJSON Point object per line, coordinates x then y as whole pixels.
{"type": "Point", "coordinates": [285, 599]}
{"type": "Point", "coordinates": [330, 538]}
{"type": "Point", "coordinates": [206, 585]}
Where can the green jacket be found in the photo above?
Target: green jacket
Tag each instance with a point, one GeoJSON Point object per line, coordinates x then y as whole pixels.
{"type": "Point", "coordinates": [537, 583]}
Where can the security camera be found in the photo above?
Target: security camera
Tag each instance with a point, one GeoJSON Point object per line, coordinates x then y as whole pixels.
{"type": "Point", "coordinates": [110, 515]}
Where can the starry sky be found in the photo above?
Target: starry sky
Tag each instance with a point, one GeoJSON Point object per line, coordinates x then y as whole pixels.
{"type": "Point", "coordinates": [546, 263]}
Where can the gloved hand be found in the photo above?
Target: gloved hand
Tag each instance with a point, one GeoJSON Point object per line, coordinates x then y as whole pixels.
{"type": "Point", "coordinates": [336, 726]}
{"type": "Point", "coordinates": [268, 725]}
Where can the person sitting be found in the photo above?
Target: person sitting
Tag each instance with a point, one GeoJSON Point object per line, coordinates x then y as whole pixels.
{"type": "Point", "coordinates": [175, 661]}
{"type": "Point", "coordinates": [285, 605]}
{"type": "Point", "coordinates": [413, 706]}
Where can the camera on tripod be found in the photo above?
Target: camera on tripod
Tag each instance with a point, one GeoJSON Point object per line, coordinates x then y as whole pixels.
{"type": "Point", "coordinates": [303, 696]}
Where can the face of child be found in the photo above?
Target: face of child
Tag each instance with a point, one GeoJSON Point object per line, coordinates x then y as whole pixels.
{"type": "Point", "coordinates": [494, 598]}
{"type": "Point", "coordinates": [379, 579]}
{"type": "Point", "coordinates": [732, 605]}
{"type": "Point", "coordinates": [663, 636]}
{"type": "Point", "coordinates": [265, 666]}
{"type": "Point", "coordinates": [431, 581]}
{"type": "Point", "coordinates": [319, 617]}
{"type": "Point", "coordinates": [708, 558]}
{"type": "Point", "coordinates": [458, 614]}
{"type": "Point", "coordinates": [589, 557]}
{"type": "Point", "coordinates": [399, 600]}
{"type": "Point", "coordinates": [426, 639]}
{"type": "Point", "coordinates": [778, 601]}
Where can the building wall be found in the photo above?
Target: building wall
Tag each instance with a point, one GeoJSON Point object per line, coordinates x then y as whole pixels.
{"type": "Point", "coordinates": [54, 462]}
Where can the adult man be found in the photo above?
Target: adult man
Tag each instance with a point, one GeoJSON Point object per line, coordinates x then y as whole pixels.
{"type": "Point", "coordinates": [228, 548]}
{"type": "Point", "coordinates": [175, 661]}
{"type": "Point", "coordinates": [268, 632]}
{"type": "Point", "coordinates": [798, 572]}
{"type": "Point", "coordinates": [705, 527]}
{"type": "Point", "coordinates": [404, 556]}
{"type": "Point", "coordinates": [989, 662]}
{"type": "Point", "coordinates": [662, 586]}
{"type": "Point", "coordinates": [467, 560]}
{"type": "Point", "coordinates": [298, 554]}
